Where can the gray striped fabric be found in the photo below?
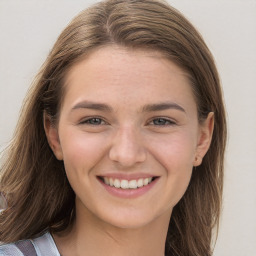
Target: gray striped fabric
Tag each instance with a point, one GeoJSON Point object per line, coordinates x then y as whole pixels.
{"type": "Point", "coordinates": [41, 246]}
{"type": "Point", "coordinates": [26, 247]}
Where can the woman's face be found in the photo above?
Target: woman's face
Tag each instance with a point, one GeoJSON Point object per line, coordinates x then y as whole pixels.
{"type": "Point", "coordinates": [128, 119]}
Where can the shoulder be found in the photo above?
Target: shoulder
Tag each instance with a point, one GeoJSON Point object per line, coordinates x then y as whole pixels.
{"type": "Point", "coordinates": [41, 246]}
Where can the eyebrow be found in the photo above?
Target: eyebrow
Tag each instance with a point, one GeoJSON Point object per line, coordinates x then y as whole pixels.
{"type": "Point", "coordinates": [162, 106]}
{"type": "Point", "coordinates": [92, 105]}
{"type": "Point", "coordinates": [146, 108]}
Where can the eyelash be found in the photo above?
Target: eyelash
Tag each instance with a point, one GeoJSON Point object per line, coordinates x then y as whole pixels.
{"type": "Point", "coordinates": [88, 120]}
{"type": "Point", "coordinates": [167, 122]}
{"type": "Point", "coordinates": [100, 121]}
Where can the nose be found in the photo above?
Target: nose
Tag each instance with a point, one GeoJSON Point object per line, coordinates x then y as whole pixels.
{"type": "Point", "coordinates": [127, 148]}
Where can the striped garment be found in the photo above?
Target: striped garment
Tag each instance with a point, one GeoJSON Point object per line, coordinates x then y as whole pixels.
{"type": "Point", "coordinates": [41, 246]}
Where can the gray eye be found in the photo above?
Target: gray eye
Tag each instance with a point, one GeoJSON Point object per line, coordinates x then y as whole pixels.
{"type": "Point", "coordinates": [161, 121]}
{"type": "Point", "coordinates": [94, 121]}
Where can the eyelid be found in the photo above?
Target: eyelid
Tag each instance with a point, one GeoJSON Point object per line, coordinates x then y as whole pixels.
{"type": "Point", "coordinates": [85, 121]}
{"type": "Point", "coordinates": [170, 120]}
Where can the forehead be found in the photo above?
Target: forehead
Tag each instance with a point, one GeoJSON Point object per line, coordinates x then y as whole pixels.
{"type": "Point", "coordinates": [115, 58]}
{"type": "Point", "coordinates": [113, 72]}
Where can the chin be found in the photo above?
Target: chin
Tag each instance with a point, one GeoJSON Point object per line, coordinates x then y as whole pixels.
{"type": "Point", "coordinates": [133, 219]}
{"type": "Point", "coordinates": [129, 223]}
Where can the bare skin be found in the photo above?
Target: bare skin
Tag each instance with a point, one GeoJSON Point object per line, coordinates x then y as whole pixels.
{"type": "Point", "coordinates": [127, 116]}
{"type": "Point", "coordinates": [94, 238]}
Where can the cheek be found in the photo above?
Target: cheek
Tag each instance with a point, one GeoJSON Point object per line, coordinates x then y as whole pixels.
{"type": "Point", "coordinates": [175, 151]}
{"type": "Point", "coordinates": [176, 155]}
{"type": "Point", "coordinates": [80, 150]}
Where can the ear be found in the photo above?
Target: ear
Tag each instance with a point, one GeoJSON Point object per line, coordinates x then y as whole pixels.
{"type": "Point", "coordinates": [204, 138]}
{"type": "Point", "coordinates": [52, 135]}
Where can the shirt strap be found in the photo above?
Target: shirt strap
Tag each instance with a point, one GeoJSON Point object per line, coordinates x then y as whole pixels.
{"type": "Point", "coordinates": [26, 247]}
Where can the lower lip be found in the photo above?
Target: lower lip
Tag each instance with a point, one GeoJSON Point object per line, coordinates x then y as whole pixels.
{"type": "Point", "coordinates": [129, 193]}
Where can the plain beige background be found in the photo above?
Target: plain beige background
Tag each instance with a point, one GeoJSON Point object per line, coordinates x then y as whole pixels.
{"type": "Point", "coordinates": [28, 29]}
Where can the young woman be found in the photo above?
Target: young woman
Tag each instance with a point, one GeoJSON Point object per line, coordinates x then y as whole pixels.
{"type": "Point", "coordinates": [119, 149]}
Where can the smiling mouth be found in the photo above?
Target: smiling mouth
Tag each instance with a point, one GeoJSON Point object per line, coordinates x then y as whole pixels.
{"type": "Point", "coordinates": [127, 184]}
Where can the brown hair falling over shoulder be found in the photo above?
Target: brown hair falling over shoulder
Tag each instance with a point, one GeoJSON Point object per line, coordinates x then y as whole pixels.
{"type": "Point", "coordinates": [38, 193]}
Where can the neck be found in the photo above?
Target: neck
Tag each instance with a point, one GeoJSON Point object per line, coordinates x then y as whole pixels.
{"type": "Point", "coordinates": [91, 236]}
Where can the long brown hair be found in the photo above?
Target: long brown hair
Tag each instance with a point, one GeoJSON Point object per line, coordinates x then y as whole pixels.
{"type": "Point", "coordinates": [33, 181]}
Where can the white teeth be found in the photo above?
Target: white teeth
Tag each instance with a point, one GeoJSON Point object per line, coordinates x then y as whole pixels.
{"type": "Point", "coordinates": [117, 183]}
{"type": "Point", "coordinates": [145, 182]}
{"type": "Point", "coordinates": [106, 180]}
{"type": "Point", "coordinates": [133, 184]}
{"type": "Point", "coordinates": [140, 183]}
{"type": "Point", "coordinates": [125, 184]}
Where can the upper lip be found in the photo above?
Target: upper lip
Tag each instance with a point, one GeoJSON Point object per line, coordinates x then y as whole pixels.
{"type": "Point", "coordinates": [125, 176]}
